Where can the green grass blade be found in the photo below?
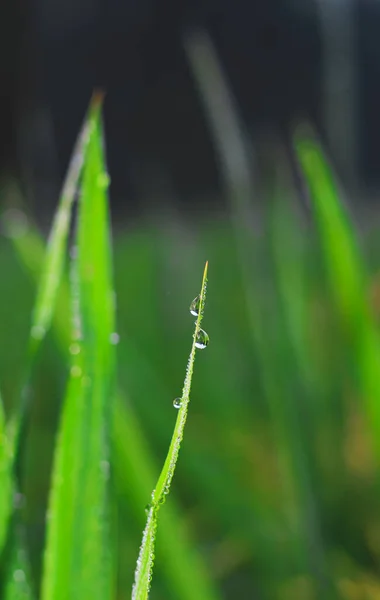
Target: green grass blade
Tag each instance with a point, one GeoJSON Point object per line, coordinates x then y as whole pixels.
{"type": "Point", "coordinates": [6, 483]}
{"type": "Point", "coordinates": [47, 290]}
{"type": "Point", "coordinates": [55, 254]}
{"type": "Point", "coordinates": [347, 278]}
{"type": "Point", "coordinates": [77, 558]}
{"type": "Point", "coordinates": [143, 574]}
{"type": "Point", "coordinates": [130, 450]}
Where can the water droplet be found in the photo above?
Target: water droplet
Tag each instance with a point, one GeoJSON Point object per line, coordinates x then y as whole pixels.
{"type": "Point", "coordinates": [37, 332]}
{"type": "Point", "coordinates": [75, 371]}
{"type": "Point", "coordinates": [74, 349]}
{"type": "Point", "coordinates": [194, 306]}
{"type": "Point", "coordinates": [19, 576]}
{"type": "Point", "coordinates": [147, 508]}
{"type": "Point", "coordinates": [18, 501]}
{"type": "Point", "coordinates": [177, 402]}
{"type": "Point", "coordinates": [105, 468]}
{"type": "Point", "coordinates": [114, 338]}
{"type": "Point", "coordinates": [103, 180]}
{"type": "Point", "coordinates": [202, 339]}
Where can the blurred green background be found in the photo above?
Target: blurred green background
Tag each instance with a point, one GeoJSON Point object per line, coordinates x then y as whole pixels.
{"type": "Point", "coordinates": [276, 493]}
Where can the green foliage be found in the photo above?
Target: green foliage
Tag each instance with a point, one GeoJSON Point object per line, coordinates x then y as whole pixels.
{"type": "Point", "coordinates": [144, 568]}
{"type": "Point", "coordinates": [276, 494]}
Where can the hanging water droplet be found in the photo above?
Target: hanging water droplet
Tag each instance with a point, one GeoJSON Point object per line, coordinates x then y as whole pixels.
{"type": "Point", "coordinates": [37, 332]}
{"type": "Point", "coordinates": [103, 180]}
{"type": "Point", "coordinates": [76, 371]}
{"type": "Point", "coordinates": [114, 338]}
{"type": "Point", "coordinates": [19, 576]}
{"type": "Point", "coordinates": [18, 501]}
{"type": "Point", "coordinates": [202, 339]}
{"type": "Point", "coordinates": [194, 306]}
{"type": "Point", "coordinates": [177, 402]}
{"type": "Point", "coordinates": [105, 468]}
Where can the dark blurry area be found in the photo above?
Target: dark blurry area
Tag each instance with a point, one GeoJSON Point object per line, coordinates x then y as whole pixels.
{"type": "Point", "coordinates": [283, 60]}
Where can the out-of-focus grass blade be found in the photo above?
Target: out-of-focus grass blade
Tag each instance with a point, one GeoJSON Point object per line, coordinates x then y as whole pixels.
{"type": "Point", "coordinates": [6, 483]}
{"type": "Point", "coordinates": [134, 466]}
{"type": "Point", "coordinates": [143, 574]}
{"type": "Point", "coordinates": [347, 277]}
{"type": "Point", "coordinates": [17, 585]}
{"type": "Point", "coordinates": [47, 288]}
{"type": "Point", "coordinates": [77, 555]}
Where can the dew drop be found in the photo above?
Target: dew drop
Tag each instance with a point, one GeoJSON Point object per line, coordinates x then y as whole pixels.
{"type": "Point", "coordinates": [74, 349]}
{"type": "Point", "coordinates": [103, 180]}
{"type": "Point", "coordinates": [114, 338]}
{"type": "Point", "coordinates": [37, 332]}
{"type": "Point", "coordinates": [18, 501]}
{"type": "Point", "coordinates": [76, 371]}
{"type": "Point", "coordinates": [147, 508]}
{"type": "Point", "coordinates": [19, 576]}
{"type": "Point", "coordinates": [202, 339]}
{"type": "Point", "coordinates": [177, 402]}
{"type": "Point", "coordinates": [194, 306]}
{"type": "Point", "coordinates": [105, 469]}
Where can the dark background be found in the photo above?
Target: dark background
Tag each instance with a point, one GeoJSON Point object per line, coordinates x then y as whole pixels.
{"type": "Point", "coordinates": [277, 56]}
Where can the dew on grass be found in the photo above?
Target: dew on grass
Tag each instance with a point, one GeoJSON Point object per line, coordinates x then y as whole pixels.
{"type": "Point", "coordinates": [74, 348]}
{"type": "Point", "coordinates": [147, 508]}
{"type": "Point", "coordinates": [38, 332]}
{"type": "Point", "coordinates": [114, 338]}
{"type": "Point", "coordinates": [19, 576]}
{"type": "Point", "coordinates": [177, 402]}
{"type": "Point", "coordinates": [194, 306]}
{"type": "Point", "coordinates": [75, 371]}
{"type": "Point", "coordinates": [202, 339]}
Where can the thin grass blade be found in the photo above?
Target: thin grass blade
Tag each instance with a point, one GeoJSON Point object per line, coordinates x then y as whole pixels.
{"type": "Point", "coordinates": [144, 568]}
{"type": "Point", "coordinates": [133, 463]}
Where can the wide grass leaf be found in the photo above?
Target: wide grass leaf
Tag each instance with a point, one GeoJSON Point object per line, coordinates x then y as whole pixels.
{"type": "Point", "coordinates": [77, 556]}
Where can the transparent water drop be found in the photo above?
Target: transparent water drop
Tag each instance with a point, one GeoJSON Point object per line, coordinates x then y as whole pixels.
{"type": "Point", "coordinates": [194, 306]}
{"type": "Point", "coordinates": [75, 371]}
{"type": "Point", "coordinates": [74, 349]}
{"type": "Point", "coordinates": [177, 402]}
{"type": "Point", "coordinates": [37, 332]}
{"type": "Point", "coordinates": [147, 508]}
{"type": "Point", "coordinates": [103, 180]}
{"type": "Point", "coordinates": [19, 576]}
{"type": "Point", "coordinates": [105, 468]}
{"type": "Point", "coordinates": [202, 339]}
{"type": "Point", "coordinates": [114, 338]}
{"type": "Point", "coordinates": [18, 501]}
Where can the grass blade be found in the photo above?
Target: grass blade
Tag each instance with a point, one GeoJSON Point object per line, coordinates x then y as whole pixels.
{"type": "Point", "coordinates": [77, 558]}
{"type": "Point", "coordinates": [130, 450]}
{"type": "Point", "coordinates": [347, 278]}
{"type": "Point", "coordinates": [143, 574]}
